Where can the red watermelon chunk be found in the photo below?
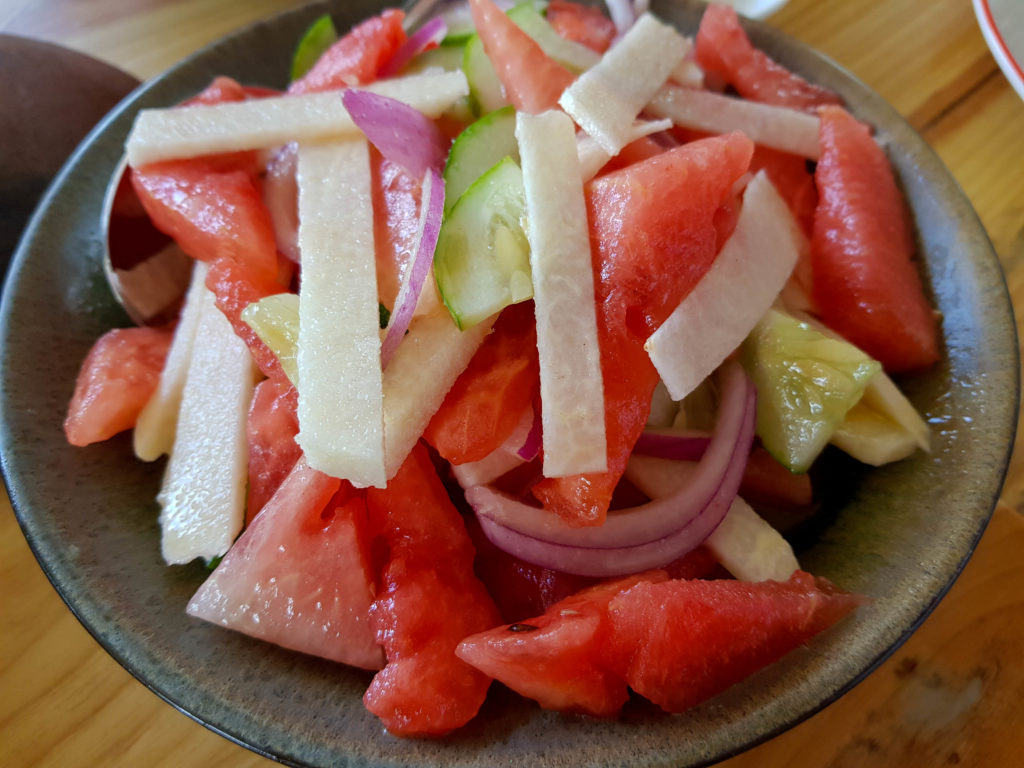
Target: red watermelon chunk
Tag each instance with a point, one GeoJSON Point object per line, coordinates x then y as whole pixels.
{"type": "Point", "coordinates": [678, 643]}
{"type": "Point", "coordinates": [560, 659]}
{"type": "Point", "coordinates": [271, 428]}
{"type": "Point", "coordinates": [533, 81]}
{"type": "Point", "coordinates": [429, 600]}
{"type": "Point", "coordinates": [115, 382]}
{"type": "Point", "coordinates": [299, 575]}
{"type": "Point", "coordinates": [581, 24]}
{"type": "Point", "coordinates": [357, 57]}
{"type": "Point", "coordinates": [675, 642]}
{"type": "Point", "coordinates": [396, 207]}
{"type": "Point", "coordinates": [653, 236]}
{"type": "Point", "coordinates": [212, 209]}
{"type": "Point", "coordinates": [723, 49]}
{"type": "Point", "coordinates": [487, 401]}
{"type": "Point", "coordinates": [864, 278]}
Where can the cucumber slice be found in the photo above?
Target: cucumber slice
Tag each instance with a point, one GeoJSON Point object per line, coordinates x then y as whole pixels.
{"type": "Point", "coordinates": [806, 383]}
{"type": "Point", "coordinates": [447, 57]}
{"type": "Point", "coordinates": [478, 148]}
{"type": "Point", "coordinates": [482, 260]}
{"type": "Point", "coordinates": [485, 90]}
{"type": "Point", "coordinates": [568, 53]}
{"type": "Point", "coordinates": [320, 36]}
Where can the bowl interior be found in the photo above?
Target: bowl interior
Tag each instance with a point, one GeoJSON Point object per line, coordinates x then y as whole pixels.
{"type": "Point", "coordinates": [90, 514]}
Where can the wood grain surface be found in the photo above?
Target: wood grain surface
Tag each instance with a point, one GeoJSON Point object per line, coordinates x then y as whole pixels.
{"type": "Point", "coordinates": [950, 696]}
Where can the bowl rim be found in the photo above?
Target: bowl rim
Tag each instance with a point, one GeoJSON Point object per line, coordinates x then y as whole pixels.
{"type": "Point", "coordinates": [773, 41]}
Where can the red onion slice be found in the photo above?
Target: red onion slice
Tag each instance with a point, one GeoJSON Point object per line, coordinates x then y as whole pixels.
{"type": "Point", "coordinates": [674, 445]}
{"type": "Point", "coordinates": [404, 135]}
{"type": "Point", "coordinates": [657, 519]}
{"type": "Point", "coordinates": [430, 34]}
{"type": "Point", "coordinates": [692, 524]}
{"type": "Point", "coordinates": [531, 446]}
{"type": "Point", "coordinates": [431, 212]}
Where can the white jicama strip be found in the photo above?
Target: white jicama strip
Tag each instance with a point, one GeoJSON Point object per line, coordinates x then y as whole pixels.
{"type": "Point", "coordinates": [157, 423]}
{"type": "Point", "coordinates": [733, 295]}
{"type": "Point", "coordinates": [592, 155]}
{"type": "Point", "coordinates": [202, 498]}
{"type": "Point", "coordinates": [180, 132]}
{"type": "Point", "coordinates": [688, 74]}
{"type": "Point", "coordinates": [748, 547]}
{"type": "Point", "coordinates": [788, 130]}
{"type": "Point", "coordinates": [571, 384]}
{"type": "Point", "coordinates": [606, 99]}
{"type": "Point", "coordinates": [341, 420]}
{"type": "Point", "coordinates": [425, 365]}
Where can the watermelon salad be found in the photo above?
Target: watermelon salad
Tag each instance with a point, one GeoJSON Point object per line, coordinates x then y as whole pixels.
{"type": "Point", "coordinates": [505, 335]}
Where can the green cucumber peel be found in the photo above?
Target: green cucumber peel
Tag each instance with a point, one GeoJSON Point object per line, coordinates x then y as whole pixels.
{"type": "Point", "coordinates": [320, 36]}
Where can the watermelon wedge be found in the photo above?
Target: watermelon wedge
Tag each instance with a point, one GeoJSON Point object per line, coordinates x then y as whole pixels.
{"type": "Point", "coordinates": [723, 49]}
{"type": "Point", "coordinates": [115, 382]}
{"type": "Point", "coordinates": [675, 642]}
{"type": "Point", "coordinates": [299, 576]}
{"type": "Point", "coordinates": [429, 600]}
{"type": "Point", "coordinates": [864, 277]}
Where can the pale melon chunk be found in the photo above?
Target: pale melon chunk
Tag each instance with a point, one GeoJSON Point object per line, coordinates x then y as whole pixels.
{"type": "Point", "coordinates": [341, 420]}
{"type": "Point", "coordinates": [605, 100]}
{"type": "Point", "coordinates": [883, 426]}
{"type": "Point", "coordinates": [743, 282]}
{"type": "Point", "coordinates": [203, 129]}
{"type": "Point", "coordinates": [158, 421]}
{"type": "Point", "coordinates": [788, 130]}
{"type": "Point", "coordinates": [202, 498]}
{"type": "Point", "coordinates": [571, 384]}
{"type": "Point", "coordinates": [425, 365]}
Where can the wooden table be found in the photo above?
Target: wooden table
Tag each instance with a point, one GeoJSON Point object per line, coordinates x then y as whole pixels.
{"type": "Point", "coordinates": [950, 696]}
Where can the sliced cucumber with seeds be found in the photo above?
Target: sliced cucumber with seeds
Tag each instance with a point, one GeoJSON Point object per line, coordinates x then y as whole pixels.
{"type": "Point", "coordinates": [485, 90]}
{"type": "Point", "coordinates": [806, 383]}
{"type": "Point", "coordinates": [478, 149]}
{"type": "Point", "coordinates": [482, 260]}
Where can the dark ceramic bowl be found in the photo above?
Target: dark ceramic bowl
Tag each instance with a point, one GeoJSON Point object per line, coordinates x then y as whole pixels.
{"type": "Point", "coordinates": [901, 537]}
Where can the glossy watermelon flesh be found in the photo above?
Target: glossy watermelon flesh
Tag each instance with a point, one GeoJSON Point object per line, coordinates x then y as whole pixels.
{"type": "Point", "coordinates": [532, 80]}
{"type": "Point", "coordinates": [679, 643]}
{"type": "Point", "coordinates": [396, 208]}
{"type": "Point", "coordinates": [488, 400]}
{"type": "Point", "coordinates": [271, 427]}
{"type": "Point", "coordinates": [653, 236]}
{"type": "Point", "coordinates": [299, 575]}
{"type": "Point", "coordinates": [115, 382]}
{"type": "Point", "coordinates": [581, 24]}
{"type": "Point", "coordinates": [356, 58]}
{"type": "Point", "coordinates": [724, 50]}
{"type": "Point", "coordinates": [429, 600]}
{"type": "Point", "coordinates": [862, 253]}
{"type": "Point", "coordinates": [675, 642]}
{"type": "Point", "coordinates": [559, 659]}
